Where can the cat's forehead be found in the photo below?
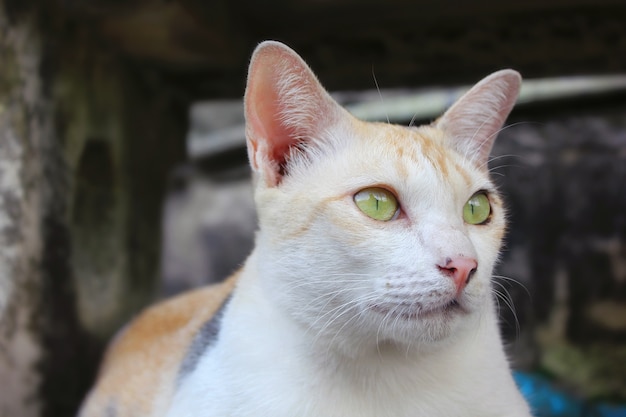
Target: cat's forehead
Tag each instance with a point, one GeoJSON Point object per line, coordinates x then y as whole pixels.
{"type": "Point", "coordinates": [412, 140]}
{"type": "Point", "coordinates": [415, 149]}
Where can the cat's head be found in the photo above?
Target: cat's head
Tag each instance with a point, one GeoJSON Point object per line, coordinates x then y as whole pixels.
{"type": "Point", "coordinates": [373, 233]}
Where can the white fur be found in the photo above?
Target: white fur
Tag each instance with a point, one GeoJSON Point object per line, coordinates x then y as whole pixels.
{"type": "Point", "coordinates": [275, 370]}
{"type": "Point", "coordinates": [287, 349]}
{"type": "Point", "coordinates": [331, 314]}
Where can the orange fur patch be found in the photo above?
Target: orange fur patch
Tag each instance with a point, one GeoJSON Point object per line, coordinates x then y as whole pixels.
{"type": "Point", "coordinates": [142, 363]}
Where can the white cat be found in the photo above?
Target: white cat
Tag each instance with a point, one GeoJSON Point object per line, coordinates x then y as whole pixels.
{"type": "Point", "coordinates": [369, 290]}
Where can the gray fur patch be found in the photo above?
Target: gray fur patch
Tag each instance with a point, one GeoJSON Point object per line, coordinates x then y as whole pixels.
{"type": "Point", "coordinates": [202, 341]}
{"type": "Point", "coordinates": [111, 409]}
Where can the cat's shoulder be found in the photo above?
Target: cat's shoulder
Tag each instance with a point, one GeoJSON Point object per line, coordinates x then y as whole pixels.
{"type": "Point", "coordinates": [148, 356]}
{"type": "Point", "coordinates": [180, 316]}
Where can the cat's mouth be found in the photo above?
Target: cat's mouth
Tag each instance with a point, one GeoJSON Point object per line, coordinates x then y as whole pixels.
{"type": "Point", "coordinates": [415, 312]}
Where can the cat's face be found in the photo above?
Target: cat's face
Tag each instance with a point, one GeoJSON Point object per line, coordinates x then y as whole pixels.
{"type": "Point", "coordinates": [341, 272]}
{"type": "Point", "coordinates": [372, 234]}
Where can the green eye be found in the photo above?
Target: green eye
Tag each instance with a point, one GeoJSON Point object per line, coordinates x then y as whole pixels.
{"type": "Point", "coordinates": [377, 203]}
{"type": "Point", "coordinates": [477, 209]}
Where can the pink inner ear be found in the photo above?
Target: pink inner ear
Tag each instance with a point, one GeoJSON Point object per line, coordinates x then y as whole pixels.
{"type": "Point", "coordinates": [269, 138]}
{"type": "Point", "coordinates": [265, 127]}
{"type": "Point", "coordinates": [474, 121]}
{"type": "Point", "coordinates": [284, 105]}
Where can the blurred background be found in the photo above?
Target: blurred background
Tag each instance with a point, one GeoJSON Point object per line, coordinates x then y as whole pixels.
{"type": "Point", "coordinates": [124, 178]}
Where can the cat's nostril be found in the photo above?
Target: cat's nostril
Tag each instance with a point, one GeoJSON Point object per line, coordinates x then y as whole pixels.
{"type": "Point", "coordinates": [447, 271]}
{"type": "Point", "coordinates": [471, 275]}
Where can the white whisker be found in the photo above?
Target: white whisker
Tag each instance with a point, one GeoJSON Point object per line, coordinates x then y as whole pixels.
{"type": "Point", "coordinates": [505, 296]}
{"type": "Point", "coordinates": [382, 101]}
{"type": "Point", "coordinates": [514, 281]}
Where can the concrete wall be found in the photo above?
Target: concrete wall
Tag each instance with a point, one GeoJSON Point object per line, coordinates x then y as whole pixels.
{"type": "Point", "coordinates": [564, 180]}
{"type": "Point", "coordinates": [86, 144]}
{"type": "Point", "coordinates": [25, 125]}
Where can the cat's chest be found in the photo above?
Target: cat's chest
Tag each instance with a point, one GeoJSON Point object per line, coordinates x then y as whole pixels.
{"type": "Point", "coordinates": [282, 396]}
{"type": "Point", "coordinates": [283, 386]}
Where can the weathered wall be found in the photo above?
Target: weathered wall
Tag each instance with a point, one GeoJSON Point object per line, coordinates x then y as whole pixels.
{"type": "Point", "coordinates": [25, 124]}
{"type": "Point", "coordinates": [205, 45]}
{"type": "Point", "coordinates": [564, 179]}
{"type": "Point", "coordinates": [86, 144]}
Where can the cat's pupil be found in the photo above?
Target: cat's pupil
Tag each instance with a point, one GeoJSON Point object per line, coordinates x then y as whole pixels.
{"type": "Point", "coordinates": [477, 210]}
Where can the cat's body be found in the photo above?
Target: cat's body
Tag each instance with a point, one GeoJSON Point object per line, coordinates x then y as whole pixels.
{"type": "Point", "coordinates": [369, 290]}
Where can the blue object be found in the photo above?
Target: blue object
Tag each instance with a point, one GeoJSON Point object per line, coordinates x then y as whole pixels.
{"type": "Point", "coordinates": [606, 410]}
{"type": "Point", "coordinates": [547, 401]}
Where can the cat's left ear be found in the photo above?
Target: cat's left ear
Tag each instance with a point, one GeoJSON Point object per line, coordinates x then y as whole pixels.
{"type": "Point", "coordinates": [285, 107]}
{"type": "Point", "coordinates": [473, 122]}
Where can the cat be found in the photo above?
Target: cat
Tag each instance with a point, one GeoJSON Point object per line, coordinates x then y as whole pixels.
{"type": "Point", "coordinates": [368, 292]}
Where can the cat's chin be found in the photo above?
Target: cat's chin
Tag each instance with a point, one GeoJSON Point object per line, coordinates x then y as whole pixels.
{"type": "Point", "coordinates": [417, 326]}
{"type": "Point", "coordinates": [411, 313]}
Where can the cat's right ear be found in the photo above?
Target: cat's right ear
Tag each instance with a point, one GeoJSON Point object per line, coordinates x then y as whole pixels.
{"type": "Point", "coordinates": [473, 122]}
{"type": "Point", "coordinates": [285, 105]}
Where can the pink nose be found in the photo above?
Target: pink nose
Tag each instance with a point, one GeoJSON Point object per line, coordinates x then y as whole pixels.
{"type": "Point", "coordinates": [460, 269]}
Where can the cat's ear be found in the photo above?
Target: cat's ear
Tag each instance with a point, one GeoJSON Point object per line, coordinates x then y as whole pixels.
{"type": "Point", "coordinates": [285, 105]}
{"type": "Point", "coordinates": [473, 122]}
